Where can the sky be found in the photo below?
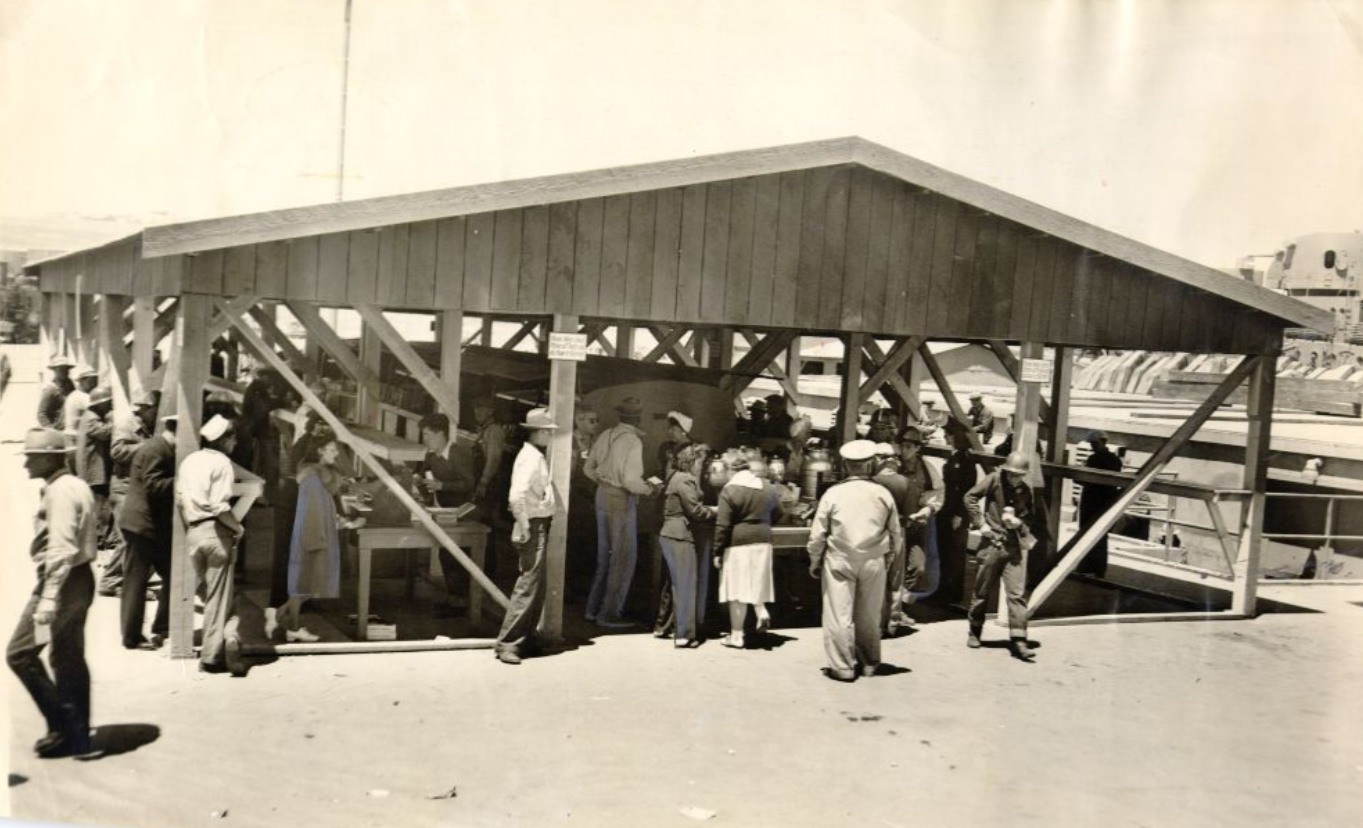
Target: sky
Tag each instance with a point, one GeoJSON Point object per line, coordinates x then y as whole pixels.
{"type": "Point", "coordinates": [1207, 128]}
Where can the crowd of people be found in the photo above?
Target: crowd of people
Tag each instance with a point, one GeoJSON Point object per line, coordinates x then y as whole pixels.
{"type": "Point", "coordinates": [884, 533]}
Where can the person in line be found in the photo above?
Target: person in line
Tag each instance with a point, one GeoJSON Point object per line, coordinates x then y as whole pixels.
{"type": "Point", "coordinates": [203, 492]}
{"type": "Point", "coordinates": [800, 430]}
{"type": "Point", "coordinates": [1096, 499]}
{"type": "Point", "coordinates": [616, 465]}
{"type": "Point", "coordinates": [446, 474]}
{"type": "Point", "coordinates": [146, 520]}
{"type": "Point", "coordinates": [315, 547]}
{"type": "Point", "coordinates": [748, 507]}
{"type": "Point", "coordinates": [922, 565]}
{"type": "Point", "coordinates": [489, 456]}
{"type": "Point", "coordinates": [678, 437]}
{"type": "Point", "coordinates": [286, 508]}
{"type": "Point", "coordinates": [63, 548]}
{"type": "Point", "coordinates": [1000, 507]}
{"type": "Point", "coordinates": [52, 400]}
{"type": "Point", "coordinates": [131, 432]}
{"type": "Point", "coordinates": [532, 504]}
{"type": "Point", "coordinates": [959, 475]}
{"type": "Point", "coordinates": [981, 418]}
{"type": "Point", "coordinates": [582, 503]}
{"type": "Point", "coordinates": [685, 538]}
{"type": "Point", "coordinates": [779, 419]}
{"type": "Point", "coordinates": [856, 525]}
{"type": "Point", "coordinates": [94, 463]}
{"type": "Point", "coordinates": [73, 407]}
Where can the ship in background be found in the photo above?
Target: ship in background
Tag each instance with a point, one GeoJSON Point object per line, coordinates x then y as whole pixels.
{"type": "Point", "coordinates": [1320, 269]}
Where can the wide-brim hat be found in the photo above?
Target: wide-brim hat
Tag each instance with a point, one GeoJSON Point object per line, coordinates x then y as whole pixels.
{"type": "Point", "coordinates": [682, 420]}
{"type": "Point", "coordinates": [913, 434]}
{"type": "Point", "coordinates": [885, 450]}
{"type": "Point", "coordinates": [539, 419]}
{"type": "Point", "coordinates": [45, 441]}
{"type": "Point", "coordinates": [61, 362]}
{"type": "Point", "coordinates": [102, 394]}
{"type": "Point", "coordinates": [629, 407]}
{"type": "Point", "coordinates": [86, 372]}
{"type": "Point", "coordinates": [858, 450]}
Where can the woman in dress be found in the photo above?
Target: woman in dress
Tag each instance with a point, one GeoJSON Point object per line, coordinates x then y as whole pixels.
{"type": "Point", "coordinates": [685, 538]}
{"type": "Point", "coordinates": [748, 506]}
{"type": "Point", "coordinates": [315, 549]}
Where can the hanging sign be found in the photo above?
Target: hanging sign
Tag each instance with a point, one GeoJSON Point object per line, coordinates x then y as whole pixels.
{"type": "Point", "coordinates": [569, 346]}
{"type": "Point", "coordinates": [1037, 370]}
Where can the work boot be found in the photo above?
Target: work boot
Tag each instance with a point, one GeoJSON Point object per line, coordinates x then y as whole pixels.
{"type": "Point", "coordinates": [1022, 651]}
{"type": "Point", "coordinates": [508, 657]}
{"type": "Point", "coordinates": [972, 640]}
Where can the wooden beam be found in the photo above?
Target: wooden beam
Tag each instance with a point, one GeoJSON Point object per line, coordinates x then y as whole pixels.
{"type": "Point", "coordinates": [117, 362]}
{"type": "Point", "coordinates": [358, 447]}
{"type": "Point", "coordinates": [1228, 545]}
{"type": "Point", "coordinates": [953, 404]}
{"type": "Point", "coordinates": [1084, 541]}
{"type": "Point", "coordinates": [624, 341]}
{"type": "Point", "coordinates": [895, 383]}
{"type": "Point", "coordinates": [1058, 424]}
{"type": "Point", "coordinates": [562, 401]}
{"type": "Point", "coordinates": [724, 348]}
{"type": "Point", "coordinates": [1259, 409]}
{"type": "Point", "coordinates": [186, 376]}
{"type": "Point", "coordinates": [310, 317]}
{"type": "Point", "coordinates": [755, 362]}
{"type": "Point", "coordinates": [222, 322]}
{"type": "Point", "coordinates": [163, 321]}
{"type": "Point", "coordinates": [526, 329]}
{"type": "Point", "coordinates": [444, 396]}
{"type": "Point", "coordinates": [274, 336]}
{"type": "Point", "coordinates": [889, 367]}
{"type": "Point", "coordinates": [667, 341]}
{"type": "Point", "coordinates": [450, 325]}
{"type": "Point", "coordinates": [1136, 618]}
{"type": "Point", "coordinates": [1027, 415]}
{"type": "Point", "coordinates": [849, 403]}
{"type": "Point", "coordinates": [1013, 366]}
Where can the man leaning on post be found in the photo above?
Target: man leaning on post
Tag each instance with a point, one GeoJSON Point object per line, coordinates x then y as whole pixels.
{"type": "Point", "coordinates": [63, 549]}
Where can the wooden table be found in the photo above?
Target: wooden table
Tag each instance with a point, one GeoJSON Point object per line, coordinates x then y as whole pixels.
{"type": "Point", "coordinates": [471, 537]}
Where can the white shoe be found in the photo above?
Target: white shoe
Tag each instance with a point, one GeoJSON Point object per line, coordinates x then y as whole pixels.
{"type": "Point", "coordinates": [271, 621]}
{"type": "Point", "coordinates": [302, 634]}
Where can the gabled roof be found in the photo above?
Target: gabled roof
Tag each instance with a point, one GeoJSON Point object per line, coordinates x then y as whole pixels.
{"type": "Point", "coordinates": [279, 225]}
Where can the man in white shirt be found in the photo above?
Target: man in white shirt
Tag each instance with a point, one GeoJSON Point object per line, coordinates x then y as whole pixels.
{"type": "Point", "coordinates": [203, 491]}
{"type": "Point", "coordinates": [532, 504]}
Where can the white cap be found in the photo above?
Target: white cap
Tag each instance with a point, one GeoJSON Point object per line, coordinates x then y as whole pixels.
{"type": "Point", "coordinates": [215, 428]}
{"type": "Point", "coordinates": [885, 450]}
{"type": "Point", "coordinates": [858, 450]}
{"type": "Point", "coordinates": [681, 419]}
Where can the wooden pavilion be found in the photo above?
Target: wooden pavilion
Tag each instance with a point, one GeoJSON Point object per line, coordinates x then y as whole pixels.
{"type": "Point", "coordinates": [840, 238]}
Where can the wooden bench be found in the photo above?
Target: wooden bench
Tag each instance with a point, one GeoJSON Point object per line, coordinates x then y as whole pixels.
{"type": "Point", "coordinates": [471, 537]}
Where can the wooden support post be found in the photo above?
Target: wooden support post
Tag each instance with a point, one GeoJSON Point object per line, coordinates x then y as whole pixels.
{"type": "Point", "coordinates": [725, 349]}
{"type": "Point", "coordinates": [1013, 366]}
{"type": "Point", "coordinates": [624, 341]}
{"type": "Point", "coordinates": [1259, 409]}
{"type": "Point", "coordinates": [371, 356]}
{"type": "Point", "coordinates": [344, 434]}
{"type": "Point", "coordinates": [485, 332]}
{"type": "Point", "coordinates": [451, 326]}
{"type": "Point", "coordinates": [849, 400]}
{"type": "Point", "coordinates": [1058, 427]}
{"type": "Point", "coordinates": [117, 363]}
{"type": "Point", "coordinates": [795, 364]}
{"type": "Point", "coordinates": [949, 396]}
{"type": "Point", "coordinates": [1027, 416]}
{"type": "Point", "coordinates": [185, 379]}
{"type": "Point", "coordinates": [144, 345]}
{"type": "Point", "coordinates": [1081, 543]}
{"type": "Point", "coordinates": [912, 374]}
{"type": "Point", "coordinates": [562, 400]}
{"type": "Point", "coordinates": [700, 346]}
{"type": "Point", "coordinates": [447, 398]}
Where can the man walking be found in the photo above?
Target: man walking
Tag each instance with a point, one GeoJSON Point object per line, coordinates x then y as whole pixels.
{"type": "Point", "coordinates": [203, 490]}
{"type": "Point", "coordinates": [855, 526]}
{"type": "Point", "coordinates": [146, 522]}
{"type": "Point", "coordinates": [63, 548]}
{"type": "Point", "coordinates": [532, 505]}
{"type": "Point", "coordinates": [616, 464]}
{"type": "Point", "coordinates": [981, 418]}
{"type": "Point", "coordinates": [1000, 507]}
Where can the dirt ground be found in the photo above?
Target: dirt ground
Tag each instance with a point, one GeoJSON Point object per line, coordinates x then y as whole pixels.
{"type": "Point", "coordinates": [1219, 723]}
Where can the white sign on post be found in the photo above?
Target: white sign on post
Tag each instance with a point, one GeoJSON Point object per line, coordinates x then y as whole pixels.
{"type": "Point", "coordinates": [571, 346]}
{"type": "Point", "coordinates": [1037, 370]}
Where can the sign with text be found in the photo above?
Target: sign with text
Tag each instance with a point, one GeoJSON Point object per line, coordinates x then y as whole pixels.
{"type": "Point", "coordinates": [1037, 370]}
{"type": "Point", "coordinates": [568, 346]}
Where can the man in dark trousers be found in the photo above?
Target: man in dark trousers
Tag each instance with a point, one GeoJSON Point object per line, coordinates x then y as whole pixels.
{"type": "Point", "coordinates": [532, 503]}
{"type": "Point", "coordinates": [94, 463]}
{"type": "Point", "coordinates": [959, 474]}
{"type": "Point", "coordinates": [1000, 508]}
{"type": "Point", "coordinates": [446, 473]}
{"type": "Point", "coordinates": [146, 522]}
{"type": "Point", "coordinates": [63, 548]}
{"type": "Point", "coordinates": [1095, 499]}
